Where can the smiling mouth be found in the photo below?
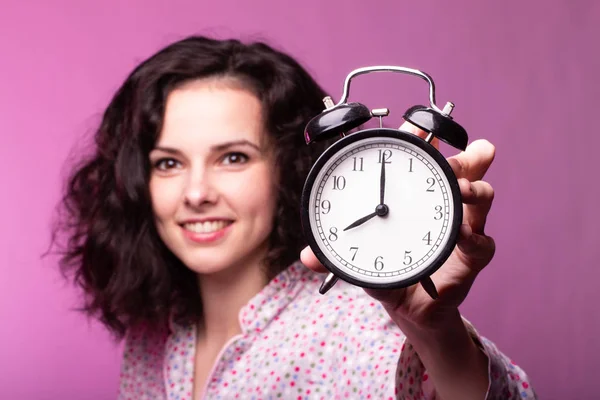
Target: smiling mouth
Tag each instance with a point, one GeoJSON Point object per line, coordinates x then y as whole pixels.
{"type": "Point", "coordinates": [206, 227]}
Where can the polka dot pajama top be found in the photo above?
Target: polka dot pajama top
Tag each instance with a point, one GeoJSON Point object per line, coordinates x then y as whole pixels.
{"type": "Point", "coordinates": [298, 344]}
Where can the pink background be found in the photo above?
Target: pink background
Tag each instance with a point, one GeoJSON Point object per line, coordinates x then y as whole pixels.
{"type": "Point", "coordinates": [522, 74]}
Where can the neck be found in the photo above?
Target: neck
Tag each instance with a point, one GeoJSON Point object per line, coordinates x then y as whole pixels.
{"type": "Point", "coordinates": [223, 295]}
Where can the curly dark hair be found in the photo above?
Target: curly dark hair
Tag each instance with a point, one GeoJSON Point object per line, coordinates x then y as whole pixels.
{"type": "Point", "coordinates": [111, 248]}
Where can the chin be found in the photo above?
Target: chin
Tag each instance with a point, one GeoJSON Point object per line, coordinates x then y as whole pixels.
{"type": "Point", "coordinates": [205, 263]}
{"type": "Point", "coordinates": [207, 266]}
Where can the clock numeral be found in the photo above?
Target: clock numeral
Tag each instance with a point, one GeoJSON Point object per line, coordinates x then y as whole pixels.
{"type": "Point", "coordinates": [355, 249]}
{"type": "Point", "coordinates": [379, 263]}
{"type": "Point", "coordinates": [407, 257]}
{"type": "Point", "coordinates": [427, 238]}
{"type": "Point", "coordinates": [339, 182]}
{"type": "Point", "coordinates": [385, 155]}
{"type": "Point", "coordinates": [333, 234]}
{"type": "Point", "coordinates": [325, 207]}
{"type": "Point", "coordinates": [410, 165]}
{"type": "Point", "coordinates": [438, 213]}
{"type": "Point", "coordinates": [360, 164]}
{"type": "Point", "coordinates": [430, 181]}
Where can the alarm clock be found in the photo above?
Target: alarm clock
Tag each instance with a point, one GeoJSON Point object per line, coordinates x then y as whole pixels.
{"type": "Point", "coordinates": [381, 208]}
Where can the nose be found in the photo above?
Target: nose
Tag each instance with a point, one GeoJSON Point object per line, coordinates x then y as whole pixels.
{"type": "Point", "coordinates": [199, 188]}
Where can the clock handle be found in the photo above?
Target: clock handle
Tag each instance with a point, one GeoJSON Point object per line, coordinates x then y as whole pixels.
{"type": "Point", "coordinates": [328, 283]}
{"type": "Point", "coordinates": [339, 118]}
{"type": "Point", "coordinates": [389, 68]}
{"type": "Point", "coordinates": [429, 287]}
{"type": "Point", "coordinates": [342, 117]}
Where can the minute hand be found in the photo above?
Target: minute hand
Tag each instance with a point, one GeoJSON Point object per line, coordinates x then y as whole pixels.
{"type": "Point", "coordinates": [382, 181]}
{"type": "Point", "coordinates": [361, 221]}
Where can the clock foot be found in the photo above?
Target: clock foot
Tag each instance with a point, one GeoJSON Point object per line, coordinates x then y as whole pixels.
{"type": "Point", "coordinates": [328, 283]}
{"type": "Point", "coordinates": [429, 287]}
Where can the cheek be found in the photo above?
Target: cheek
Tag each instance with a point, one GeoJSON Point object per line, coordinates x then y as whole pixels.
{"type": "Point", "coordinates": [257, 195]}
{"type": "Point", "coordinates": [165, 197]}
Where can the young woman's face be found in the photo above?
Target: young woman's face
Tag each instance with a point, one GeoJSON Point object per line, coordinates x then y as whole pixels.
{"type": "Point", "coordinates": [213, 174]}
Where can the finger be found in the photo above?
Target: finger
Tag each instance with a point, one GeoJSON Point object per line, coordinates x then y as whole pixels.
{"type": "Point", "coordinates": [309, 259]}
{"type": "Point", "coordinates": [477, 192]}
{"type": "Point", "coordinates": [474, 162]}
{"type": "Point", "coordinates": [477, 198]}
{"type": "Point", "coordinates": [476, 251]}
{"type": "Point", "coordinates": [408, 127]}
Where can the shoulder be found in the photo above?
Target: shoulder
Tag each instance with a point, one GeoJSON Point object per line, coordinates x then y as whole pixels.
{"type": "Point", "coordinates": [142, 364]}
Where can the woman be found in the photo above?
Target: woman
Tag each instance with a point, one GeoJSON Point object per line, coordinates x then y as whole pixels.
{"type": "Point", "coordinates": [184, 234]}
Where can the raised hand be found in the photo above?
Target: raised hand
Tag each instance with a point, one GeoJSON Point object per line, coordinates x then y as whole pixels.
{"type": "Point", "coordinates": [474, 250]}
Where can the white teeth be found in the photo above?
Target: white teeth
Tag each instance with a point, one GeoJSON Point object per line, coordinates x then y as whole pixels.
{"type": "Point", "coordinates": [206, 227]}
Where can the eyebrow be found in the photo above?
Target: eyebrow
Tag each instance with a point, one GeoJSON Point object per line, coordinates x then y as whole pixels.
{"type": "Point", "coordinates": [217, 148]}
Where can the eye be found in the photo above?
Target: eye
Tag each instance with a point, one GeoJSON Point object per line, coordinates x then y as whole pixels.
{"type": "Point", "coordinates": [165, 164]}
{"type": "Point", "coordinates": [235, 158]}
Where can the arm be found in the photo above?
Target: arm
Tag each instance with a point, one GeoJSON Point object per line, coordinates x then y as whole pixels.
{"type": "Point", "coordinates": [506, 380]}
{"type": "Point", "coordinates": [455, 364]}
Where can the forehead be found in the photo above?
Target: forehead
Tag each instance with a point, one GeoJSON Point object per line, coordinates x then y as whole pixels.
{"type": "Point", "coordinates": [208, 112]}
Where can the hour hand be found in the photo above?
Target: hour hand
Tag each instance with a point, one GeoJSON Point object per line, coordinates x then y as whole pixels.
{"type": "Point", "coordinates": [381, 210]}
{"type": "Point", "coordinates": [361, 221]}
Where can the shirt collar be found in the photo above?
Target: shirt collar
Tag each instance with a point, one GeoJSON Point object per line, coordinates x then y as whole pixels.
{"type": "Point", "coordinates": [265, 307]}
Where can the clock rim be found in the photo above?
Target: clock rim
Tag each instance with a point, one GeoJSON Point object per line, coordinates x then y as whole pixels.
{"type": "Point", "coordinates": [454, 189]}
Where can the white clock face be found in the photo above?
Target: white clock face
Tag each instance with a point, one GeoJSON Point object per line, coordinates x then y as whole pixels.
{"type": "Point", "coordinates": [398, 245]}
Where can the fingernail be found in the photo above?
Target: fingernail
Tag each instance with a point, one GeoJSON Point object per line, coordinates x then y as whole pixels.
{"type": "Point", "coordinates": [465, 185]}
{"type": "Point", "coordinates": [302, 252]}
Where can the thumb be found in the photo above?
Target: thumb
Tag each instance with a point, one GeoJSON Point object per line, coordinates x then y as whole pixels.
{"type": "Point", "coordinates": [308, 258]}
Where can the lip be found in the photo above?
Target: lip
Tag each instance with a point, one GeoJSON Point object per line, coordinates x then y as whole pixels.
{"type": "Point", "coordinates": [210, 237]}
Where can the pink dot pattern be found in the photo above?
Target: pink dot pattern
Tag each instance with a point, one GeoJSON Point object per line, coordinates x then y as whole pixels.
{"type": "Point", "coordinates": [298, 344]}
